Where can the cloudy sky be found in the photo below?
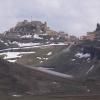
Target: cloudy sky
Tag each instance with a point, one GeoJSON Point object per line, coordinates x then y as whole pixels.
{"type": "Point", "coordinates": [72, 16]}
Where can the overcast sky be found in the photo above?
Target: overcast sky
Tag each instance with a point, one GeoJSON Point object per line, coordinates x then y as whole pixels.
{"type": "Point", "coordinates": [72, 16]}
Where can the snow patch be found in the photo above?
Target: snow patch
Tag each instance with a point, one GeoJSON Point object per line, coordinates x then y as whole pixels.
{"type": "Point", "coordinates": [39, 58]}
{"type": "Point", "coordinates": [49, 53]}
{"type": "Point", "coordinates": [30, 45]}
{"type": "Point", "coordinates": [10, 55]}
{"type": "Point", "coordinates": [1, 41]}
{"type": "Point", "coordinates": [45, 58]}
{"type": "Point", "coordinates": [81, 55]}
{"type": "Point", "coordinates": [26, 44]}
{"type": "Point", "coordinates": [51, 38]}
{"type": "Point", "coordinates": [41, 61]}
{"type": "Point", "coordinates": [12, 61]}
{"type": "Point", "coordinates": [26, 36]}
{"type": "Point", "coordinates": [6, 44]}
{"type": "Point", "coordinates": [36, 36]}
{"type": "Point", "coordinates": [73, 59]}
{"type": "Point", "coordinates": [16, 95]}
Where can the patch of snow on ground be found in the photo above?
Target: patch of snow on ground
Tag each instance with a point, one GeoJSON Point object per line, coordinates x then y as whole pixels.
{"type": "Point", "coordinates": [30, 45]}
{"type": "Point", "coordinates": [16, 95]}
{"type": "Point", "coordinates": [73, 59]}
{"type": "Point", "coordinates": [27, 44]}
{"type": "Point", "coordinates": [39, 58]}
{"type": "Point", "coordinates": [26, 36]}
{"type": "Point", "coordinates": [6, 44]}
{"type": "Point", "coordinates": [36, 36]}
{"type": "Point", "coordinates": [51, 38]}
{"type": "Point", "coordinates": [41, 61]}
{"type": "Point", "coordinates": [81, 55]}
{"type": "Point", "coordinates": [14, 42]}
{"type": "Point", "coordinates": [49, 53]}
{"type": "Point", "coordinates": [11, 60]}
{"type": "Point", "coordinates": [10, 55]}
{"type": "Point", "coordinates": [1, 41]}
{"type": "Point", "coordinates": [42, 58]}
{"type": "Point", "coordinates": [45, 58]}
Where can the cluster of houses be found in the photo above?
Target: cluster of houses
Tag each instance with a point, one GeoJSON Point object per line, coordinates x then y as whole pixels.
{"type": "Point", "coordinates": [90, 36]}
{"type": "Point", "coordinates": [95, 35]}
{"type": "Point", "coordinates": [36, 27]}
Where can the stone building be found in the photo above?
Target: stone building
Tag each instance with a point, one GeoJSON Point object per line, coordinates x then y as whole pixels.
{"type": "Point", "coordinates": [95, 35]}
{"type": "Point", "coordinates": [25, 27]}
{"type": "Point", "coordinates": [91, 36]}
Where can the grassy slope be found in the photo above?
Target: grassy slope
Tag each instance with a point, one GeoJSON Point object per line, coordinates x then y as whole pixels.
{"type": "Point", "coordinates": [60, 61]}
{"type": "Point", "coordinates": [63, 63]}
{"type": "Point", "coordinates": [31, 59]}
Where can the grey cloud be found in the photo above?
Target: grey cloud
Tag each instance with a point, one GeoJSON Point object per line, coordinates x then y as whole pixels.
{"type": "Point", "coordinates": [73, 16]}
